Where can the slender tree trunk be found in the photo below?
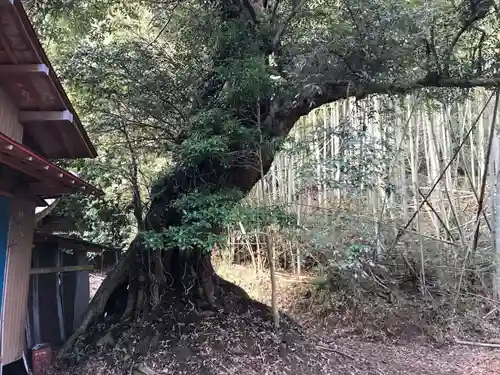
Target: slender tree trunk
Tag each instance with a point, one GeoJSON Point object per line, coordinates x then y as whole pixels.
{"type": "Point", "coordinates": [270, 247]}
{"type": "Point", "coordinates": [246, 239]}
{"type": "Point", "coordinates": [496, 229]}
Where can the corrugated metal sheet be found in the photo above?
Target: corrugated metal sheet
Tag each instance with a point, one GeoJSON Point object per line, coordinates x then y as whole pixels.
{"type": "Point", "coordinates": [17, 278]}
{"type": "Point", "coordinates": [9, 124]}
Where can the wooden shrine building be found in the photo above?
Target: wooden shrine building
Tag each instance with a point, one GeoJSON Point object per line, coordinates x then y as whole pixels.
{"type": "Point", "coordinates": [59, 291]}
{"type": "Point", "coordinates": [37, 126]}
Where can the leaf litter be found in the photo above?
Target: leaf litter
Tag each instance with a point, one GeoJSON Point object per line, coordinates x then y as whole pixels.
{"type": "Point", "coordinates": [240, 339]}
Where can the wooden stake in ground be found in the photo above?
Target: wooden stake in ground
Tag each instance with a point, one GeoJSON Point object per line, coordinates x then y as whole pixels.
{"type": "Point", "coordinates": [473, 343]}
{"type": "Point", "coordinates": [269, 244]}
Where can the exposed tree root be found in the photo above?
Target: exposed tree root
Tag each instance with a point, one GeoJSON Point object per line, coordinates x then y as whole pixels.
{"type": "Point", "coordinates": [180, 338]}
{"type": "Point", "coordinates": [98, 304]}
{"type": "Point", "coordinates": [132, 291]}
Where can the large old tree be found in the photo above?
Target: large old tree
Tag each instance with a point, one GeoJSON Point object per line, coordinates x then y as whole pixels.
{"type": "Point", "coordinates": [218, 85]}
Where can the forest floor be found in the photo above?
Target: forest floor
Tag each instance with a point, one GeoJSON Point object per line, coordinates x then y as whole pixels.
{"type": "Point", "coordinates": [240, 339]}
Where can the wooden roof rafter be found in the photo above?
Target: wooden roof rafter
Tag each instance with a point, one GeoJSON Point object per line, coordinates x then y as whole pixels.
{"type": "Point", "coordinates": [21, 69]}
{"type": "Point", "coordinates": [53, 180]}
{"type": "Point", "coordinates": [71, 243]}
{"type": "Point", "coordinates": [27, 76]}
{"type": "Point", "coordinates": [27, 116]}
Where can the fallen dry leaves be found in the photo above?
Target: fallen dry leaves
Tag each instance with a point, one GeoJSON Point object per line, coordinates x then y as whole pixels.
{"type": "Point", "coordinates": [239, 339]}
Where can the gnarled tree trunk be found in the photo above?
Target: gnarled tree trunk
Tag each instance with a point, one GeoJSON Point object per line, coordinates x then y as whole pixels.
{"type": "Point", "coordinates": [143, 279]}
{"type": "Point", "coordinates": [154, 278]}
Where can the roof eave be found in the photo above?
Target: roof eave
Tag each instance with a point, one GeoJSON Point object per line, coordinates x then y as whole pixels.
{"type": "Point", "coordinates": [34, 40]}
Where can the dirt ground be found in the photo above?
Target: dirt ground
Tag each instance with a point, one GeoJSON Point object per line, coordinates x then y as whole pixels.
{"type": "Point", "coordinates": [418, 359]}
{"type": "Point", "coordinates": [95, 281]}
{"type": "Point", "coordinates": [239, 340]}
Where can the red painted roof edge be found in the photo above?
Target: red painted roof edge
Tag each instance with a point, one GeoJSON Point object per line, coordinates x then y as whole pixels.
{"type": "Point", "coordinates": [23, 17]}
{"type": "Point", "coordinates": [88, 187]}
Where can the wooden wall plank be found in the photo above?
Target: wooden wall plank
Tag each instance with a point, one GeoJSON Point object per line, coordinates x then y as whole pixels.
{"type": "Point", "coordinates": [17, 277]}
{"type": "Point", "coordinates": [68, 287]}
{"type": "Point", "coordinates": [56, 322]}
{"type": "Point", "coordinates": [9, 124]}
{"type": "Point", "coordinates": [60, 269]}
{"type": "Point", "coordinates": [47, 283]}
{"type": "Point", "coordinates": [33, 308]}
{"type": "Point", "coordinates": [4, 235]}
{"type": "Point", "coordinates": [60, 314]}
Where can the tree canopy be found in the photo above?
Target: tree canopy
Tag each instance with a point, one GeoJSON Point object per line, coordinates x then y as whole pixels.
{"type": "Point", "coordinates": [189, 101]}
{"type": "Point", "coordinates": [163, 83]}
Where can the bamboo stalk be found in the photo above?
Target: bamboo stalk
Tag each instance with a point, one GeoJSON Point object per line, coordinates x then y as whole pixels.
{"type": "Point", "coordinates": [441, 175]}
{"type": "Point", "coordinates": [485, 169]}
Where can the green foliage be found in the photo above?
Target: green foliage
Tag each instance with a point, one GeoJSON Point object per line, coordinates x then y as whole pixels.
{"type": "Point", "coordinates": [100, 221]}
{"type": "Point", "coordinates": [256, 217]}
{"type": "Point", "coordinates": [163, 84]}
{"type": "Point", "coordinates": [248, 79]}
{"type": "Point", "coordinates": [198, 147]}
{"type": "Point", "coordinates": [353, 256]}
{"type": "Point", "coordinates": [203, 216]}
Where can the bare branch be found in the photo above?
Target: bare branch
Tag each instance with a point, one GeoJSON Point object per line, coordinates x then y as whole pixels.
{"type": "Point", "coordinates": [485, 173]}
{"type": "Point", "coordinates": [478, 10]}
{"type": "Point", "coordinates": [251, 10]}
{"type": "Point", "coordinates": [274, 13]}
{"type": "Point", "coordinates": [355, 20]}
{"type": "Point", "coordinates": [282, 26]}
{"type": "Point", "coordinates": [449, 52]}
{"type": "Point", "coordinates": [473, 343]}
{"type": "Point", "coordinates": [479, 49]}
{"type": "Point", "coordinates": [177, 3]}
{"type": "Point", "coordinates": [47, 211]}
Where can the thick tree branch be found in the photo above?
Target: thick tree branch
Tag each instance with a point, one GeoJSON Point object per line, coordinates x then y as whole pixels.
{"type": "Point", "coordinates": [477, 10]}
{"type": "Point", "coordinates": [462, 83]}
{"type": "Point", "coordinates": [274, 13]}
{"type": "Point", "coordinates": [136, 193]}
{"type": "Point", "coordinates": [329, 92]}
{"type": "Point", "coordinates": [47, 211]}
{"type": "Point", "coordinates": [251, 10]}
{"type": "Point", "coordinates": [282, 26]}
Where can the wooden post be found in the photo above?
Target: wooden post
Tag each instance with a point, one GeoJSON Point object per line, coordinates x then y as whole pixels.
{"type": "Point", "coordinates": [68, 284]}
{"type": "Point", "coordinates": [35, 306]}
{"type": "Point", "coordinates": [27, 328]}
{"type": "Point", "coordinates": [47, 295]}
{"type": "Point", "coordinates": [60, 314]}
{"type": "Point", "coordinates": [58, 269]}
